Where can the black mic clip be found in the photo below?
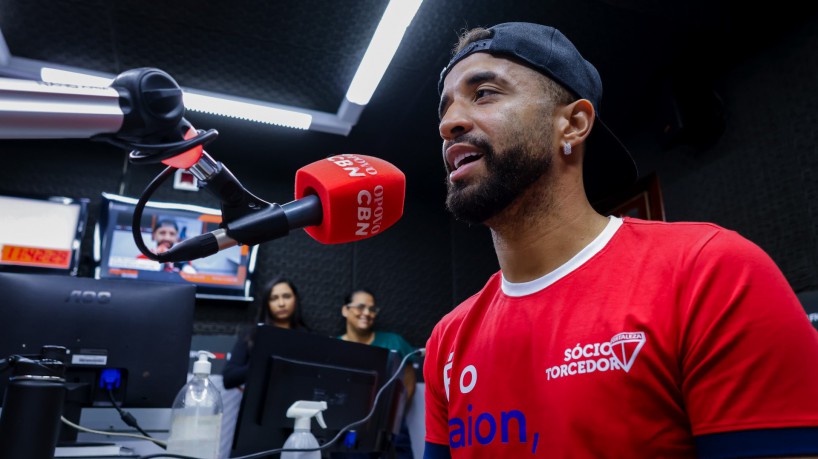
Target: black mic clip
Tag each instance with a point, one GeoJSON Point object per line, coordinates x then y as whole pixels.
{"type": "Point", "coordinates": [246, 218]}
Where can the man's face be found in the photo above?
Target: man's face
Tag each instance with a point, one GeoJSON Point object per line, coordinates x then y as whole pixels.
{"type": "Point", "coordinates": [496, 124]}
{"type": "Point", "coordinates": [165, 236]}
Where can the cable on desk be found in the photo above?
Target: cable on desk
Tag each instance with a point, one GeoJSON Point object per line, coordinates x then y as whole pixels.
{"type": "Point", "coordinates": [112, 434]}
{"type": "Point", "coordinates": [126, 417]}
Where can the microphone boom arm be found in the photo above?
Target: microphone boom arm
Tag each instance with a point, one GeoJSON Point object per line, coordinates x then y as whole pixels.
{"type": "Point", "coordinates": [35, 110]}
{"type": "Point", "coordinates": [143, 110]}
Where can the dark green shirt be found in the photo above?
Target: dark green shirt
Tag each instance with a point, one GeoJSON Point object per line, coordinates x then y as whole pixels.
{"type": "Point", "coordinates": [393, 342]}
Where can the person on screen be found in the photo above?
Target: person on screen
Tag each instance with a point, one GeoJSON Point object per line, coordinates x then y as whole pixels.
{"type": "Point", "coordinates": [165, 235]}
{"type": "Point", "coordinates": [280, 306]}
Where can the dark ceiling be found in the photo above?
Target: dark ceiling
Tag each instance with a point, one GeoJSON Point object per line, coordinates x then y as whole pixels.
{"type": "Point", "coordinates": [305, 52]}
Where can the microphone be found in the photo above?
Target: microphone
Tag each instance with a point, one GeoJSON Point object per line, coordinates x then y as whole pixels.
{"type": "Point", "coordinates": [343, 198]}
{"type": "Point", "coordinates": [360, 196]}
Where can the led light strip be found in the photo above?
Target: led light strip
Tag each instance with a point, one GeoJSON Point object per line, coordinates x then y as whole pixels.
{"type": "Point", "coordinates": [388, 35]}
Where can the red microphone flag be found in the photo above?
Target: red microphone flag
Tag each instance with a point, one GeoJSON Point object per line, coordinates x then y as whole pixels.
{"type": "Point", "coordinates": [361, 196]}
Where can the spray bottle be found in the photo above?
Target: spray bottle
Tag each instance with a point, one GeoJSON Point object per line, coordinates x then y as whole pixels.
{"type": "Point", "coordinates": [197, 414]}
{"type": "Point", "coordinates": [302, 438]}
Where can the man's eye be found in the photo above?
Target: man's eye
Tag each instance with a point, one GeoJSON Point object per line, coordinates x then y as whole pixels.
{"type": "Point", "coordinates": [480, 93]}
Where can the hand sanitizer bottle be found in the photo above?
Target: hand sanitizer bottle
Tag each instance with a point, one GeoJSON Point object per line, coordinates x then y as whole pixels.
{"type": "Point", "coordinates": [197, 414]}
{"type": "Point", "coordinates": [302, 438]}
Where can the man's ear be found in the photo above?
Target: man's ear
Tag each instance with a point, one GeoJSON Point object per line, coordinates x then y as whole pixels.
{"type": "Point", "coordinates": [344, 311]}
{"type": "Point", "coordinates": [575, 121]}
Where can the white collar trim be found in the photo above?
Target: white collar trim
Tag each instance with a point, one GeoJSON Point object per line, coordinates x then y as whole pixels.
{"type": "Point", "coordinates": [527, 288]}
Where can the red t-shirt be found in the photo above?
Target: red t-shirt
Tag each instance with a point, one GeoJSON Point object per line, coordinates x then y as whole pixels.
{"type": "Point", "coordinates": [654, 334]}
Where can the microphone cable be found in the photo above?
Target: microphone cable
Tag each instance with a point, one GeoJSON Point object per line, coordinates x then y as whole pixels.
{"type": "Point", "coordinates": [141, 153]}
{"type": "Point", "coordinates": [136, 222]}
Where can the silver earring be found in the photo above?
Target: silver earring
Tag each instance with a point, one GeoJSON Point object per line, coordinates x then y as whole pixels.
{"type": "Point", "coordinates": [566, 148]}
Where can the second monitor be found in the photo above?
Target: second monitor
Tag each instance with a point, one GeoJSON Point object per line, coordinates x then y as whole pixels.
{"type": "Point", "coordinates": [286, 366]}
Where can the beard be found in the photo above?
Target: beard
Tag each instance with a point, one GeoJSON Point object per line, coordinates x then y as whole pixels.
{"type": "Point", "coordinates": [509, 173]}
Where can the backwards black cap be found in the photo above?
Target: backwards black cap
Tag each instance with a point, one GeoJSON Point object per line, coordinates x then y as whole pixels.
{"type": "Point", "coordinates": [608, 167]}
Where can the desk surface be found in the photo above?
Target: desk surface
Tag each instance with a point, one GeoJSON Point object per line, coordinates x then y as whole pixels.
{"type": "Point", "coordinates": [139, 447]}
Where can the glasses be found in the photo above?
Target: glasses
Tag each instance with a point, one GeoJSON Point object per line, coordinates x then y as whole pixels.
{"type": "Point", "coordinates": [359, 308]}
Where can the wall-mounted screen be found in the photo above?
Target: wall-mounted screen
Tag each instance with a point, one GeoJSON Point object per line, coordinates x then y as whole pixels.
{"type": "Point", "coordinates": [41, 233]}
{"type": "Point", "coordinates": [224, 275]}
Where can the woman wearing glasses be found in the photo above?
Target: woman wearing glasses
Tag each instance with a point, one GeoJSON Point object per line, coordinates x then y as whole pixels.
{"type": "Point", "coordinates": [360, 311]}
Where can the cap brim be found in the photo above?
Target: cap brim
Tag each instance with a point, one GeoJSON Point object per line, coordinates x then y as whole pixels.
{"type": "Point", "coordinates": [608, 169]}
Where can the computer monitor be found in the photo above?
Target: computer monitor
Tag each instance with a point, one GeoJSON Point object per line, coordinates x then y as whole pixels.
{"type": "Point", "coordinates": [286, 366]}
{"type": "Point", "coordinates": [141, 329]}
{"type": "Point", "coordinates": [41, 233]}
{"type": "Point", "coordinates": [225, 275]}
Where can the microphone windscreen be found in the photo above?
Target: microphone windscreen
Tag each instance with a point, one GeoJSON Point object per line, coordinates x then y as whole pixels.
{"type": "Point", "coordinates": [361, 196]}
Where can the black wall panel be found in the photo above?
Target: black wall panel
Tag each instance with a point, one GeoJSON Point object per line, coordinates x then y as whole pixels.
{"type": "Point", "coordinates": [759, 177]}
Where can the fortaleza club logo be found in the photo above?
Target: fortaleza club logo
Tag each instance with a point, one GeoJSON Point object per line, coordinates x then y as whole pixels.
{"type": "Point", "coordinates": [617, 354]}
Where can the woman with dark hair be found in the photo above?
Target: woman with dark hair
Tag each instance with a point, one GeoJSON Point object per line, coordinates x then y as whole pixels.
{"type": "Point", "coordinates": [280, 306]}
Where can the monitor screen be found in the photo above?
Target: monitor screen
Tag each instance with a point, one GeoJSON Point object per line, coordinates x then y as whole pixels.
{"type": "Point", "coordinates": [287, 366]}
{"type": "Point", "coordinates": [224, 275]}
{"type": "Point", "coordinates": [41, 233]}
{"type": "Point", "coordinates": [140, 330]}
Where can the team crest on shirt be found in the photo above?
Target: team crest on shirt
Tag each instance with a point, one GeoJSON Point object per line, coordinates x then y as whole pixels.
{"type": "Point", "coordinates": [626, 346]}
{"type": "Point", "coordinates": [617, 354]}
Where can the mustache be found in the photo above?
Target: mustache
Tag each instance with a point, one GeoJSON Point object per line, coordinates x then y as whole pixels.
{"type": "Point", "coordinates": [471, 139]}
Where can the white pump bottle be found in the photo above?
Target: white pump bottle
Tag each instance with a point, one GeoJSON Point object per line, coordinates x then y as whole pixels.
{"type": "Point", "coordinates": [197, 414]}
{"type": "Point", "coordinates": [303, 411]}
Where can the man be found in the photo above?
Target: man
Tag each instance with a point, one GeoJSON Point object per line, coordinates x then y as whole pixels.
{"type": "Point", "coordinates": [165, 235]}
{"type": "Point", "coordinates": [599, 337]}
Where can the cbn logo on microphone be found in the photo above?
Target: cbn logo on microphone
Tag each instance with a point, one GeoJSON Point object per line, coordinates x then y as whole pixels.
{"type": "Point", "coordinates": [369, 220]}
{"type": "Point", "coordinates": [355, 165]}
{"type": "Point", "coordinates": [361, 196]}
{"type": "Point", "coordinates": [370, 202]}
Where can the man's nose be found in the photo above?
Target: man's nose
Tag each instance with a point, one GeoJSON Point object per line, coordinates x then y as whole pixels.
{"type": "Point", "coordinates": [455, 122]}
